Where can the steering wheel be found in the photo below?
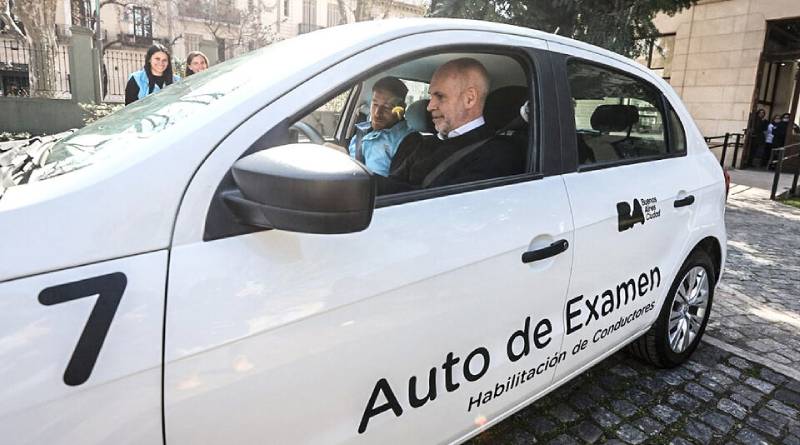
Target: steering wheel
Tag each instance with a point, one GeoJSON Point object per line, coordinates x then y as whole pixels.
{"type": "Point", "coordinates": [311, 133]}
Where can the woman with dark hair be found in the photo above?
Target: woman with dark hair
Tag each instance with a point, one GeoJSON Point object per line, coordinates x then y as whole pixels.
{"type": "Point", "coordinates": [196, 62]}
{"type": "Point", "coordinates": [156, 74]}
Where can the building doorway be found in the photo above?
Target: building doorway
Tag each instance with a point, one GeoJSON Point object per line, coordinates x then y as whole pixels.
{"type": "Point", "coordinates": [777, 90]}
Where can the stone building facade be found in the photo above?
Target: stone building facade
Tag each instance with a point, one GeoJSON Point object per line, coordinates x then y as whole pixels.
{"type": "Point", "coordinates": [728, 58]}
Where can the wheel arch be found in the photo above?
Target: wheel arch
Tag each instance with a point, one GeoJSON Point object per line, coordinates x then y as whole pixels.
{"type": "Point", "coordinates": [711, 246]}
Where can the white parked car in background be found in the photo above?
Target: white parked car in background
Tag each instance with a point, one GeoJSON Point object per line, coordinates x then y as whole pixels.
{"type": "Point", "coordinates": [198, 268]}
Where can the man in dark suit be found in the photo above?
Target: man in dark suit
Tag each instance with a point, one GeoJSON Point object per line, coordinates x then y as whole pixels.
{"type": "Point", "coordinates": [464, 148]}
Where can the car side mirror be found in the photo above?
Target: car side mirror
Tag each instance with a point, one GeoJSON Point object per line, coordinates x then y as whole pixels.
{"type": "Point", "coordinates": [302, 188]}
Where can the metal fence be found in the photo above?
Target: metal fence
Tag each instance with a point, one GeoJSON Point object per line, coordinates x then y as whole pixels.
{"type": "Point", "coordinates": [776, 160]}
{"type": "Point", "coordinates": [117, 66]}
{"type": "Point", "coordinates": [40, 70]}
{"type": "Point", "coordinates": [728, 140]}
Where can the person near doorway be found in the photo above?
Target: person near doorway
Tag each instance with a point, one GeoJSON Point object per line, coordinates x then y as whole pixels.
{"type": "Point", "coordinates": [758, 129]}
{"type": "Point", "coordinates": [156, 74]}
{"type": "Point", "coordinates": [781, 128]}
{"type": "Point", "coordinates": [769, 139]}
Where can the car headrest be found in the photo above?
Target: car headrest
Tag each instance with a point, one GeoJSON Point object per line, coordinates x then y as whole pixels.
{"type": "Point", "coordinates": [503, 106]}
{"type": "Point", "coordinates": [614, 117]}
{"type": "Point", "coordinates": [418, 118]}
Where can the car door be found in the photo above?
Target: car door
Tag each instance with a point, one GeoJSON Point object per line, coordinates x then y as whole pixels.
{"type": "Point", "coordinates": [632, 197]}
{"type": "Point", "coordinates": [422, 328]}
{"type": "Point", "coordinates": [80, 353]}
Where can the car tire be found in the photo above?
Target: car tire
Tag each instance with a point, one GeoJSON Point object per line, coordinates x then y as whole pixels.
{"type": "Point", "coordinates": [683, 317]}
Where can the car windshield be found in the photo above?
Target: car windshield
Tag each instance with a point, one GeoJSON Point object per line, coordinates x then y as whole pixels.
{"type": "Point", "coordinates": [130, 128]}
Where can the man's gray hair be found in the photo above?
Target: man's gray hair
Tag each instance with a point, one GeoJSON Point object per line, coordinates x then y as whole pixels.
{"type": "Point", "coordinates": [465, 65]}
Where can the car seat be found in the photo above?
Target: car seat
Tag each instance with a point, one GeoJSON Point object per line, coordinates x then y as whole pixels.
{"type": "Point", "coordinates": [420, 121]}
{"type": "Point", "coordinates": [502, 113]}
{"type": "Point", "coordinates": [606, 119]}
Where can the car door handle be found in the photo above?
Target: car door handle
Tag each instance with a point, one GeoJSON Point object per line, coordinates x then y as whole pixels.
{"type": "Point", "coordinates": [540, 254]}
{"type": "Point", "coordinates": [687, 201]}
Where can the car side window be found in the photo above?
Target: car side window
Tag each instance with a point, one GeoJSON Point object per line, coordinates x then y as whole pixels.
{"type": "Point", "coordinates": [323, 120]}
{"type": "Point", "coordinates": [617, 116]}
{"type": "Point", "coordinates": [391, 129]}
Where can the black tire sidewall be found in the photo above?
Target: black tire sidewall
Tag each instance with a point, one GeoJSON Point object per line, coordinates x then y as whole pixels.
{"type": "Point", "coordinates": [669, 357]}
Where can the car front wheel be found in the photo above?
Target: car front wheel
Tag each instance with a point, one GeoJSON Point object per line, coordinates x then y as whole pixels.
{"type": "Point", "coordinates": [683, 317]}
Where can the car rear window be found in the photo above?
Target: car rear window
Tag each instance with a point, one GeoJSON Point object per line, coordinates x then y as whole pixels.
{"type": "Point", "coordinates": [617, 117]}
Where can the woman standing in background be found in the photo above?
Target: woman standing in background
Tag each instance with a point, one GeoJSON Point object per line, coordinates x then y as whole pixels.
{"type": "Point", "coordinates": [156, 74]}
{"type": "Point", "coordinates": [196, 62]}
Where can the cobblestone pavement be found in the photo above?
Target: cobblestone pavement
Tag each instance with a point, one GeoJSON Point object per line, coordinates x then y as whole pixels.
{"type": "Point", "coordinates": [757, 305]}
{"type": "Point", "coordinates": [724, 395]}
{"type": "Point", "coordinates": [716, 397]}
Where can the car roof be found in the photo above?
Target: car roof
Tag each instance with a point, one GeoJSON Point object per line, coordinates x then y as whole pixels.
{"type": "Point", "coordinates": [394, 28]}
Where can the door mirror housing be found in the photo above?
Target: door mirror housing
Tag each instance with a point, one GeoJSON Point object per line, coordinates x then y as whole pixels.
{"type": "Point", "coordinates": [302, 188]}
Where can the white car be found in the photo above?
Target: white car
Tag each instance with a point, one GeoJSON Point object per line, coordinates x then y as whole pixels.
{"type": "Point", "coordinates": [197, 268]}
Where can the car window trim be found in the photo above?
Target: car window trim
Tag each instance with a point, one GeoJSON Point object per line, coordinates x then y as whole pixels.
{"type": "Point", "coordinates": [527, 62]}
{"type": "Point", "coordinates": [216, 230]}
{"type": "Point", "coordinates": [629, 161]}
{"type": "Point", "coordinates": [670, 110]}
{"type": "Point", "coordinates": [525, 59]}
{"type": "Point", "coordinates": [340, 135]}
{"type": "Point", "coordinates": [455, 189]}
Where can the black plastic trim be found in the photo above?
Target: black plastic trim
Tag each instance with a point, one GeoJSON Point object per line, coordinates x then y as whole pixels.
{"type": "Point", "coordinates": [566, 117]}
{"type": "Point", "coordinates": [548, 144]}
{"type": "Point", "coordinates": [547, 252]}
{"type": "Point", "coordinates": [683, 202]}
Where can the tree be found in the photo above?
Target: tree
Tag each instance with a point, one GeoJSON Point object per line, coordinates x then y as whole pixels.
{"type": "Point", "coordinates": [224, 20]}
{"type": "Point", "coordinates": [621, 26]}
{"type": "Point", "coordinates": [38, 18]}
{"type": "Point", "coordinates": [363, 10]}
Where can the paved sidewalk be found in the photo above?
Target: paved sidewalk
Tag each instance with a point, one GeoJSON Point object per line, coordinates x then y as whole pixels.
{"type": "Point", "coordinates": [761, 179]}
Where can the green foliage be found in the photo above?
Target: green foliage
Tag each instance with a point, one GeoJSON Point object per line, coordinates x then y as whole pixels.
{"type": "Point", "coordinates": [618, 25]}
{"type": "Point", "coordinates": [792, 201]}
{"type": "Point", "coordinates": [93, 112]}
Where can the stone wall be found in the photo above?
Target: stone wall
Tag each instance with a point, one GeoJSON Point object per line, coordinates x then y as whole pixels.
{"type": "Point", "coordinates": [718, 44]}
{"type": "Point", "coordinates": [38, 115]}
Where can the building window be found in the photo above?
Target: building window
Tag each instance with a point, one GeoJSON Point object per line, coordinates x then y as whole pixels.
{"type": "Point", "coordinates": [286, 8]}
{"type": "Point", "coordinates": [334, 15]}
{"type": "Point", "coordinates": [658, 55]}
{"type": "Point", "coordinates": [81, 12]}
{"type": "Point", "coordinates": [192, 42]}
{"type": "Point", "coordinates": [142, 22]}
{"type": "Point", "coordinates": [310, 12]}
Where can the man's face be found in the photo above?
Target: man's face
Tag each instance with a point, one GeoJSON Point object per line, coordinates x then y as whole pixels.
{"type": "Point", "coordinates": [380, 112]}
{"type": "Point", "coordinates": [447, 105]}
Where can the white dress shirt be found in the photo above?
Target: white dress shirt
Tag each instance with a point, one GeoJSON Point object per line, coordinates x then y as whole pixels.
{"type": "Point", "coordinates": [469, 126]}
